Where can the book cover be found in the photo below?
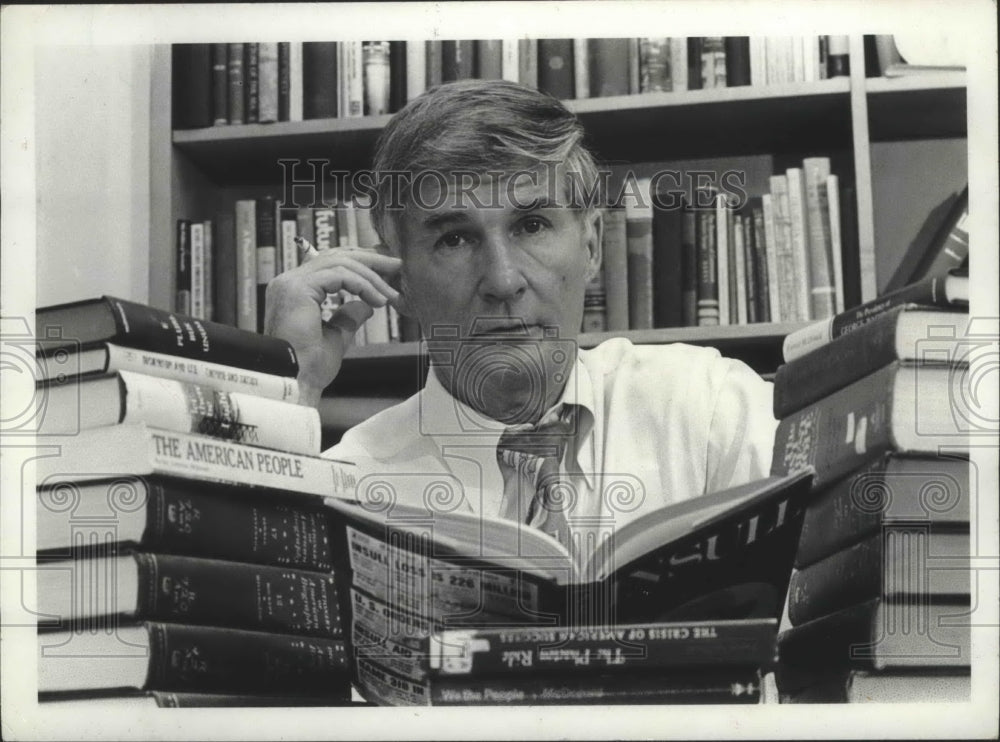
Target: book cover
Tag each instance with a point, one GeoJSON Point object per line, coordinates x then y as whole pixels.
{"type": "Point", "coordinates": [892, 490]}
{"type": "Point", "coordinates": [169, 515]}
{"type": "Point", "coordinates": [616, 268]}
{"type": "Point", "coordinates": [267, 80]}
{"type": "Point", "coordinates": [555, 68]}
{"type": "Point", "coordinates": [609, 67]}
{"type": "Point", "coordinates": [320, 75]}
{"type": "Point", "coordinates": [905, 333]}
{"type": "Point", "coordinates": [251, 74]}
{"type": "Point", "coordinates": [940, 246]}
{"type": "Point", "coordinates": [220, 84]}
{"type": "Point", "coordinates": [639, 238]}
{"type": "Point", "coordinates": [192, 85]}
{"type": "Point", "coordinates": [182, 267]}
{"type": "Point", "coordinates": [237, 84]}
{"type": "Point", "coordinates": [872, 416]}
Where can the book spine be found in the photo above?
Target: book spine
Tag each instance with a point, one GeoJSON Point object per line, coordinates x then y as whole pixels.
{"type": "Point", "coordinates": [353, 75]}
{"type": "Point", "coordinates": [510, 68]}
{"type": "Point", "coordinates": [296, 82]}
{"type": "Point", "coordinates": [284, 81]}
{"type": "Point", "coordinates": [266, 255]}
{"type": "Point", "coordinates": [838, 57]}
{"type": "Point", "coordinates": [774, 293]}
{"type": "Point", "coordinates": [639, 235]}
{"type": "Point", "coordinates": [376, 77]}
{"type": "Point", "coordinates": [434, 63]}
{"type": "Point", "coordinates": [654, 66]}
{"type": "Point", "coordinates": [218, 376]}
{"type": "Point", "coordinates": [633, 66]}
{"type": "Point", "coordinates": [839, 433]}
{"type": "Point", "coordinates": [246, 264]}
{"type": "Point", "coordinates": [489, 59]}
{"type": "Point", "coordinates": [195, 408]}
{"type": "Point", "coordinates": [190, 658]}
{"type": "Point", "coordinates": [694, 45]}
{"type": "Point", "coordinates": [893, 489]}
{"type": "Point", "coordinates": [208, 268]}
{"type": "Point", "coordinates": [386, 688]}
{"type": "Point", "coordinates": [737, 58]}
{"type": "Point", "coordinates": [713, 62]}
{"type": "Point", "coordinates": [727, 303]}
{"type": "Point", "coordinates": [758, 61]}
{"type": "Point", "coordinates": [836, 243]}
{"type": "Point", "coordinates": [763, 266]}
{"type": "Point", "coordinates": [397, 75]}
{"type": "Point", "coordinates": [734, 687]}
{"type": "Point", "coordinates": [267, 80]}
{"type": "Point", "coordinates": [289, 250]}
{"type": "Point", "coordinates": [678, 64]}
{"type": "Point", "coordinates": [708, 286]}
{"type": "Point", "coordinates": [689, 267]}
{"type": "Point", "coordinates": [616, 268]}
{"type": "Point", "coordinates": [182, 302]}
{"type": "Point", "coordinates": [785, 251]}
{"type": "Point", "coordinates": [609, 67]}
{"type": "Point", "coordinates": [822, 292]}
{"type": "Point", "coordinates": [618, 648]}
{"type": "Point", "coordinates": [581, 69]}
{"type": "Point", "coordinates": [192, 85]}
{"type": "Point", "coordinates": [320, 67]}
{"type": "Point", "coordinates": [172, 699]}
{"type": "Point", "coordinates": [527, 62]}
{"type": "Point", "coordinates": [893, 565]}
{"type": "Point", "coordinates": [667, 265]}
{"type": "Point", "coordinates": [416, 69]}
{"type": "Point", "coordinates": [595, 307]}
{"type": "Point", "coordinates": [220, 84]}
{"type": "Point", "coordinates": [555, 67]}
{"type": "Point", "coordinates": [457, 59]}
{"type": "Point", "coordinates": [224, 273]}
{"type": "Point", "coordinates": [197, 257]}
{"type": "Point", "coordinates": [952, 249]}
{"type": "Point", "coordinates": [738, 294]}
{"type": "Point", "coordinates": [213, 592]}
{"type": "Point", "coordinates": [799, 241]}
{"type": "Point", "coordinates": [251, 71]}
{"type": "Point", "coordinates": [745, 248]}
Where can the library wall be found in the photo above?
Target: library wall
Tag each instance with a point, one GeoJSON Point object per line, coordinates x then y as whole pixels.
{"type": "Point", "coordinates": [92, 124]}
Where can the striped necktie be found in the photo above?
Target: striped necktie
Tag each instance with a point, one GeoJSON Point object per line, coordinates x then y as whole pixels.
{"type": "Point", "coordinates": [529, 458]}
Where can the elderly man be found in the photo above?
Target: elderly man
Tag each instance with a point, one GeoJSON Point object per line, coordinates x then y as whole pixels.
{"type": "Point", "coordinates": [484, 203]}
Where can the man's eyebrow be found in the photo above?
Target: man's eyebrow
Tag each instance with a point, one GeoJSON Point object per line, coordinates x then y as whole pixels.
{"type": "Point", "coordinates": [537, 203]}
{"type": "Point", "coordinates": [444, 218]}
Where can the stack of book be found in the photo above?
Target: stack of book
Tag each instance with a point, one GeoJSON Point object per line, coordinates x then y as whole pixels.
{"type": "Point", "coordinates": [184, 554]}
{"type": "Point", "coordinates": [267, 82]}
{"type": "Point", "coordinates": [677, 606]}
{"type": "Point", "coordinates": [879, 605]}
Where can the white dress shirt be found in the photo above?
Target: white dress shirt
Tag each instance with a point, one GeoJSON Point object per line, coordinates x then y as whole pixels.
{"type": "Point", "coordinates": [659, 424]}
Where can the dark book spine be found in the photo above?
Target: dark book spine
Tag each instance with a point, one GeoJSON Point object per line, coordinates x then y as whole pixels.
{"type": "Point", "coordinates": [639, 235]}
{"type": "Point", "coordinates": [849, 246]}
{"type": "Point", "coordinates": [237, 83]}
{"type": "Point", "coordinates": [668, 292]}
{"type": "Point", "coordinates": [833, 366]}
{"type": "Point", "coordinates": [284, 80]}
{"type": "Point", "coordinates": [760, 264]}
{"type": "Point", "coordinates": [192, 85]}
{"type": "Point", "coordinates": [182, 520]}
{"type": "Point", "coordinates": [213, 592]}
{"type": "Point", "coordinates": [489, 59]}
{"type": "Point", "coordinates": [457, 60]}
{"type": "Point", "coordinates": [708, 283]}
{"type": "Point", "coordinates": [251, 71]}
{"type": "Point", "coordinates": [893, 564]}
{"type": "Point", "coordinates": [689, 267]}
{"type": "Point", "coordinates": [745, 224]}
{"type": "Point", "coordinates": [224, 269]}
{"type": "Point", "coordinates": [182, 303]}
{"type": "Point", "coordinates": [319, 79]}
{"type": "Point", "coordinates": [267, 252]}
{"type": "Point", "coordinates": [838, 56]}
{"type": "Point", "coordinates": [737, 51]}
{"type": "Point", "coordinates": [397, 75]}
{"type": "Point", "coordinates": [616, 268]}
{"type": "Point", "coordinates": [612, 648]}
{"type": "Point", "coordinates": [555, 68]}
{"type": "Point", "coordinates": [609, 66]}
{"type": "Point", "coordinates": [950, 246]}
{"type": "Point", "coordinates": [695, 44]}
{"type": "Point", "coordinates": [929, 292]}
{"type": "Point", "coordinates": [203, 658]}
{"type": "Point", "coordinates": [735, 686]}
{"type": "Point", "coordinates": [220, 84]}
{"type": "Point", "coordinates": [891, 490]}
{"type": "Point", "coordinates": [166, 699]}
{"type": "Point", "coordinates": [823, 434]}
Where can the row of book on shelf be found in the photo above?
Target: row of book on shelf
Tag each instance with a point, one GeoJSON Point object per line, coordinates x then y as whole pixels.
{"type": "Point", "coordinates": [265, 82]}
{"type": "Point", "coordinates": [194, 549]}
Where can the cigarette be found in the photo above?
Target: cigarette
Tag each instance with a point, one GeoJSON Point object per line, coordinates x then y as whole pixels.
{"type": "Point", "coordinates": [306, 248]}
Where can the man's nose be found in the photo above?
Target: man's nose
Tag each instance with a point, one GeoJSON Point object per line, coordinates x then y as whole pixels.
{"type": "Point", "coordinates": [502, 275]}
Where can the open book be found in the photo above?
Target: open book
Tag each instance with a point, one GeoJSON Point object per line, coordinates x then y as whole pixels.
{"type": "Point", "coordinates": [723, 555]}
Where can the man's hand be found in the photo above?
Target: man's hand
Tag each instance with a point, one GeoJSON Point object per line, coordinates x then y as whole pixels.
{"type": "Point", "coordinates": [293, 309]}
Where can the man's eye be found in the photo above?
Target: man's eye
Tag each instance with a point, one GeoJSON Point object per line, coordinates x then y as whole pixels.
{"type": "Point", "coordinates": [533, 225]}
{"type": "Point", "coordinates": [452, 240]}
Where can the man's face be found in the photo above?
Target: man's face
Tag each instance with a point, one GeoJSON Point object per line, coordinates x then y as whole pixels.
{"type": "Point", "coordinates": [493, 271]}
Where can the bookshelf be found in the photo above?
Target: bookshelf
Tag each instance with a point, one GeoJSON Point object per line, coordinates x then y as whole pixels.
{"type": "Point", "coordinates": [205, 170]}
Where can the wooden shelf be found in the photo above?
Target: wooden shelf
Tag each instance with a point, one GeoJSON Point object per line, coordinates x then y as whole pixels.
{"type": "Point", "coordinates": [927, 106]}
{"type": "Point", "coordinates": [633, 128]}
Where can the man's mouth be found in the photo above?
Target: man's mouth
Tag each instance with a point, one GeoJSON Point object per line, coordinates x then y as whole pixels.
{"type": "Point", "coordinates": [508, 329]}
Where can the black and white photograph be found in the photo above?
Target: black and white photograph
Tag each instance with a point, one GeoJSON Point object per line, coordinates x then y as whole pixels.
{"type": "Point", "coordinates": [503, 363]}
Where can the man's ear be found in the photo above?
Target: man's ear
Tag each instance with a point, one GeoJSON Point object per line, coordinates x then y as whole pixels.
{"type": "Point", "coordinates": [593, 238]}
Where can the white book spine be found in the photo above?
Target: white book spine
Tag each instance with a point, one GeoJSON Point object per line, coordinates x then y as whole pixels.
{"type": "Point", "coordinates": [351, 221]}
{"type": "Point", "coordinates": [416, 68]}
{"type": "Point", "coordinates": [722, 256]}
{"type": "Point", "coordinates": [581, 68]}
{"type": "Point", "coordinates": [678, 64]}
{"type": "Point", "coordinates": [833, 203]}
{"type": "Point", "coordinates": [810, 58]}
{"type": "Point", "coordinates": [740, 277]}
{"type": "Point", "coordinates": [758, 61]}
{"type": "Point", "coordinates": [208, 275]}
{"type": "Point", "coordinates": [800, 342]}
{"type": "Point", "coordinates": [289, 250]}
{"type": "Point", "coordinates": [216, 375]}
{"type": "Point", "coordinates": [246, 264]}
{"type": "Point", "coordinates": [355, 76]}
{"type": "Point", "coordinates": [185, 407]}
{"type": "Point", "coordinates": [267, 65]}
{"type": "Point", "coordinates": [198, 270]}
{"type": "Point", "coordinates": [771, 252]}
{"type": "Point", "coordinates": [510, 69]}
{"type": "Point", "coordinates": [800, 239]}
{"type": "Point", "coordinates": [798, 59]}
{"type": "Point", "coordinates": [140, 450]}
{"type": "Point", "coordinates": [295, 88]}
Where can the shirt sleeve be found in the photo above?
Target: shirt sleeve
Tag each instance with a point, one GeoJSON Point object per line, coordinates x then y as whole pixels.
{"type": "Point", "coordinates": [741, 434]}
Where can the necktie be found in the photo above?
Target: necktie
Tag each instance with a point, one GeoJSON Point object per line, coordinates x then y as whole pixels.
{"type": "Point", "coordinates": [529, 459]}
